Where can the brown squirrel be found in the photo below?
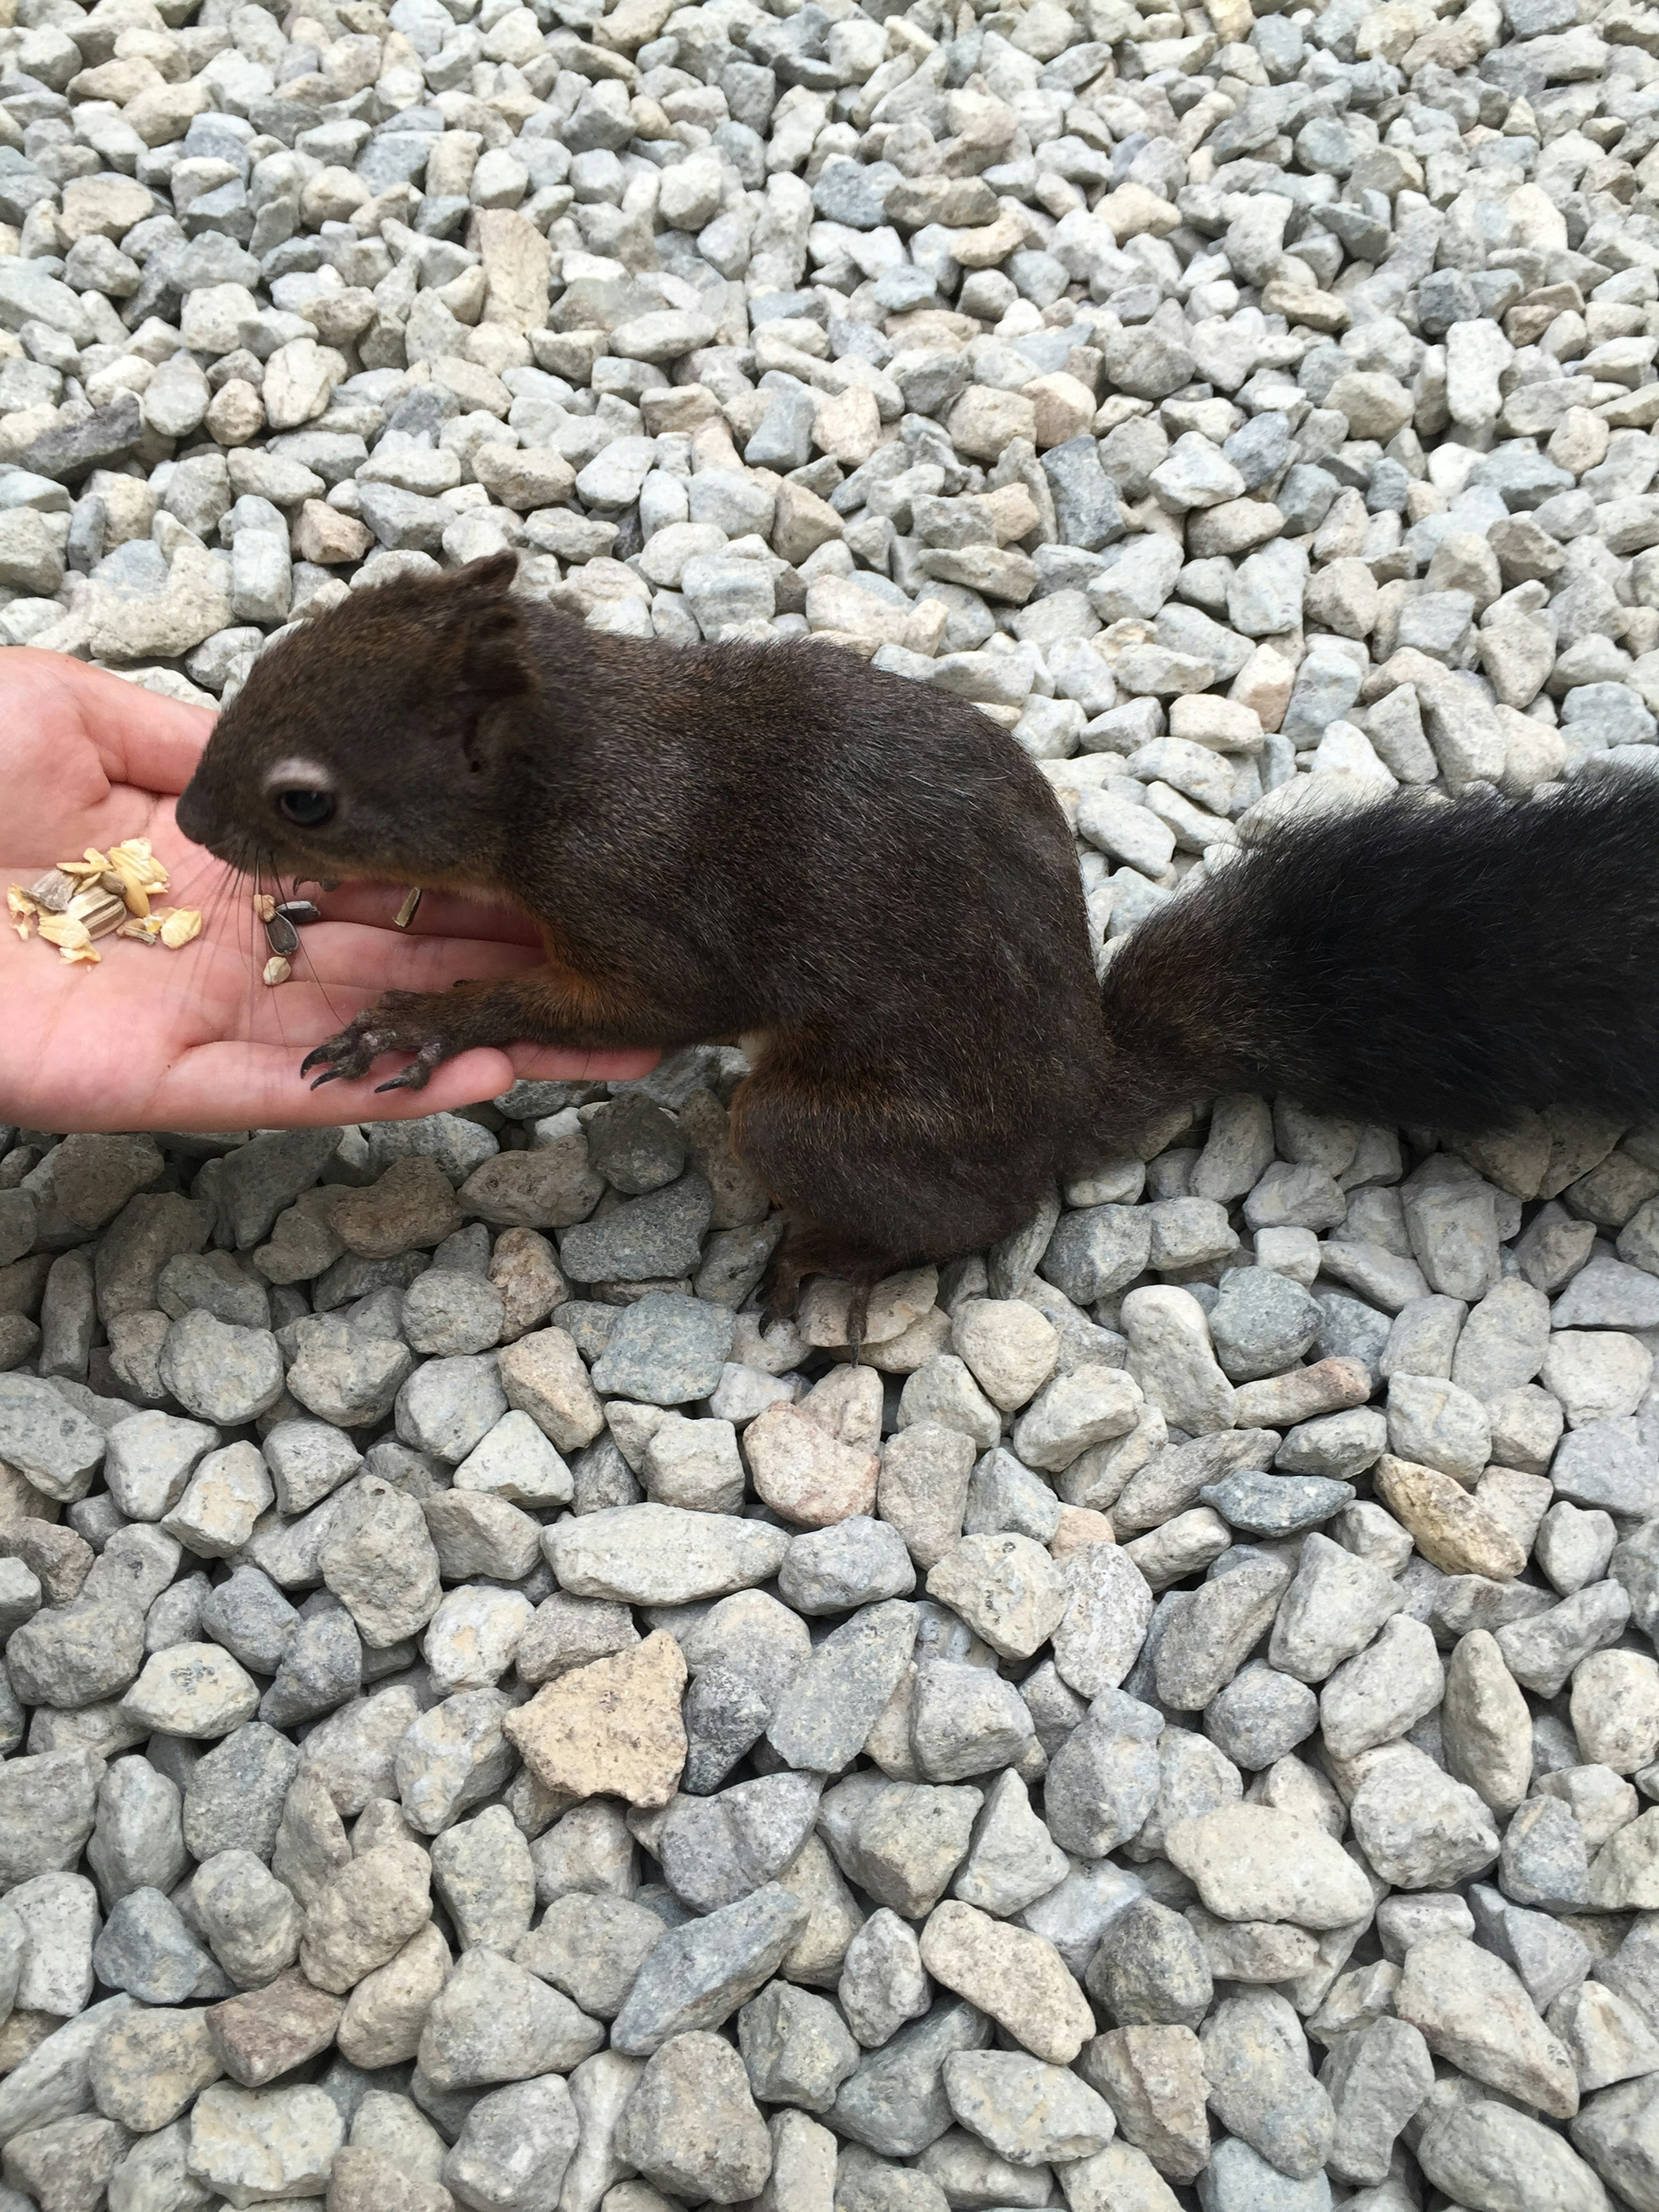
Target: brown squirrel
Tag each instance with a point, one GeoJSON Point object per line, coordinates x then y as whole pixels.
{"type": "Point", "coordinates": [870, 882]}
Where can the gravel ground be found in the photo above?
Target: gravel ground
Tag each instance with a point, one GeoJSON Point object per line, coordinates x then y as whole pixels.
{"type": "Point", "coordinates": [488, 1725]}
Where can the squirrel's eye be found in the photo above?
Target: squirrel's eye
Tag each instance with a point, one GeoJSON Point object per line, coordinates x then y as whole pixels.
{"type": "Point", "coordinates": [306, 810]}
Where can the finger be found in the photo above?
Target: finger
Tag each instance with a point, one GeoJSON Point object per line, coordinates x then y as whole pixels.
{"type": "Point", "coordinates": [442, 914]}
{"type": "Point", "coordinates": [241, 1087]}
{"type": "Point", "coordinates": [546, 1064]}
{"type": "Point", "coordinates": [337, 979]}
{"type": "Point", "coordinates": [142, 738]}
{"type": "Point", "coordinates": [350, 956]}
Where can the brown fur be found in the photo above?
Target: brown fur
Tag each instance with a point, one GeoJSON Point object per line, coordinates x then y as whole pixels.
{"type": "Point", "coordinates": [713, 843]}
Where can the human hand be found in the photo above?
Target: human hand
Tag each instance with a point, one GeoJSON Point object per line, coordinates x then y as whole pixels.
{"type": "Point", "coordinates": [153, 1039]}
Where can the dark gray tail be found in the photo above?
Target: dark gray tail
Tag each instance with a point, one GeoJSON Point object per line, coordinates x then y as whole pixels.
{"type": "Point", "coordinates": [1418, 961]}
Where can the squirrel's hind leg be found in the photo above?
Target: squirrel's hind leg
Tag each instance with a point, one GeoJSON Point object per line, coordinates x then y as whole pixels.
{"type": "Point", "coordinates": [877, 1173]}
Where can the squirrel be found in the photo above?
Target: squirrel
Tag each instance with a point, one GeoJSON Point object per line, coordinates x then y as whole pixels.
{"type": "Point", "coordinates": [871, 884]}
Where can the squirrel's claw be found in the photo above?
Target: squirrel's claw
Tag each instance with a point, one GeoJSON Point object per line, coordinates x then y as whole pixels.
{"type": "Point", "coordinates": [415, 1076]}
{"type": "Point", "coordinates": [401, 1022]}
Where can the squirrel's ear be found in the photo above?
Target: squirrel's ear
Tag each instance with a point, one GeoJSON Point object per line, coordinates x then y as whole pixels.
{"type": "Point", "coordinates": [495, 654]}
{"type": "Point", "coordinates": [491, 576]}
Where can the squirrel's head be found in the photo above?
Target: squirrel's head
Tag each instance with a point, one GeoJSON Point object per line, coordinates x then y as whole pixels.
{"type": "Point", "coordinates": [374, 740]}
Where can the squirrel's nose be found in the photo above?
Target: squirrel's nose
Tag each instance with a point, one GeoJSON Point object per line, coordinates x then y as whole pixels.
{"type": "Point", "coordinates": [194, 815]}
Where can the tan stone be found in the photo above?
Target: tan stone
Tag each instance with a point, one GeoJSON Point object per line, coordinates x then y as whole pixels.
{"type": "Point", "coordinates": [1473, 2010]}
{"type": "Point", "coordinates": [102, 207]}
{"type": "Point", "coordinates": [300, 379]}
{"type": "Point", "coordinates": [517, 261]}
{"type": "Point", "coordinates": [804, 1473]}
{"type": "Point", "coordinates": [236, 414]}
{"type": "Point", "coordinates": [1080, 1527]}
{"type": "Point", "coordinates": [1065, 407]}
{"type": "Point", "coordinates": [1017, 1978]}
{"type": "Point", "coordinates": [381, 2024]}
{"type": "Point", "coordinates": [1258, 1863]}
{"type": "Point", "coordinates": [835, 1916]}
{"type": "Point", "coordinates": [1153, 2079]}
{"type": "Point", "coordinates": [525, 1269]}
{"type": "Point", "coordinates": [117, 80]}
{"type": "Point", "coordinates": [163, 112]}
{"type": "Point", "coordinates": [1264, 684]}
{"type": "Point", "coordinates": [148, 2066]}
{"type": "Point", "coordinates": [524, 478]}
{"type": "Point", "coordinates": [846, 1405]}
{"type": "Point", "coordinates": [411, 1205]}
{"type": "Point", "coordinates": [366, 1916]}
{"type": "Point", "coordinates": [1005, 1586]}
{"type": "Point", "coordinates": [633, 24]}
{"type": "Point", "coordinates": [848, 425]}
{"type": "Point", "coordinates": [988, 245]}
{"type": "Point", "coordinates": [193, 604]}
{"type": "Point", "coordinates": [986, 420]}
{"type": "Point", "coordinates": [1011, 1348]}
{"type": "Point", "coordinates": [260, 2146]}
{"type": "Point", "coordinates": [1486, 1723]}
{"type": "Point", "coordinates": [612, 1728]}
{"type": "Point", "coordinates": [362, 2180]}
{"type": "Point", "coordinates": [1133, 211]}
{"type": "Point", "coordinates": [913, 1347]}
{"type": "Point", "coordinates": [1453, 1531]}
{"type": "Point", "coordinates": [803, 522]}
{"type": "Point", "coordinates": [1011, 511]}
{"type": "Point", "coordinates": [894, 1303]}
{"type": "Point", "coordinates": [542, 1376]}
{"type": "Point", "coordinates": [321, 533]}
{"type": "Point", "coordinates": [1329, 1387]}
{"type": "Point", "coordinates": [23, 2032]}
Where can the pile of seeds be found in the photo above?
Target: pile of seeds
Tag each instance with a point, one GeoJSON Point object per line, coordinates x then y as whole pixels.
{"type": "Point", "coordinates": [100, 894]}
{"type": "Point", "coordinates": [488, 1722]}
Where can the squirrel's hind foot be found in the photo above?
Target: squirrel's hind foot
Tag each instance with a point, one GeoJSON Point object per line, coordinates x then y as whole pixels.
{"type": "Point", "coordinates": [808, 1251]}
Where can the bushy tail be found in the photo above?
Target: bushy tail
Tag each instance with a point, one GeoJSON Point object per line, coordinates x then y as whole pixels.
{"type": "Point", "coordinates": [1439, 962]}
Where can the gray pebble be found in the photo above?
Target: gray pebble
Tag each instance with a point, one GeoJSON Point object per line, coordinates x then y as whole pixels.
{"type": "Point", "coordinates": [512, 2149]}
{"type": "Point", "coordinates": [699, 1975]}
{"type": "Point", "coordinates": [894, 2103]}
{"type": "Point", "coordinates": [448, 1312]}
{"type": "Point", "coordinates": [1150, 1968]}
{"type": "Point", "coordinates": [448, 1406]}
{"type": "Point", "coordinates": [146, 1949]}
{"type": "Point", "coordinates": [828, 1709]}
{"type": "Point", "coordinates": [1260, 1715]}
{"type": "Point", "coordinates": [1104, 1781]}
{"type": "Point", "coordinates": [795, 2046]}
{"type": "Point", "coordinates": [592, 1946]}
{"type": "Point", "coordinates": [858, 1562]}
{"type": "Point", "coordinates": [1269, 1505]}
{"type": "Point", "coordinates": [219, 1372]}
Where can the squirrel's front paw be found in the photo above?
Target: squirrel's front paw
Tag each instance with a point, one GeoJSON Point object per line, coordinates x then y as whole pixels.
{"type": "Point", "coordinates": [404, 1021]}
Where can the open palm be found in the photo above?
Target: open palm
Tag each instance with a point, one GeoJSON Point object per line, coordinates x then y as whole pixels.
{"type": "Point", "coordinates": [194, 1039]}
